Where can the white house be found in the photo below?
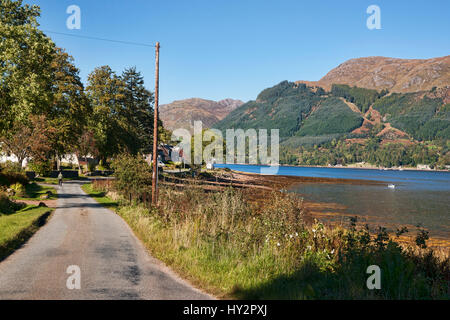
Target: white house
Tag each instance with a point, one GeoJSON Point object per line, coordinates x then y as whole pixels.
{"type": "Point", "coordinates": [4, 158]}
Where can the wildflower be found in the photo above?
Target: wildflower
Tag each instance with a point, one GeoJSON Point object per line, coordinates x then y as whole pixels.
{"type": "Point", "coordinates": [278, 244]}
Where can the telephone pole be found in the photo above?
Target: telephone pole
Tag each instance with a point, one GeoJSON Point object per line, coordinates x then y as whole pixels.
{"type": "Point", "coordinates": [155, 133]}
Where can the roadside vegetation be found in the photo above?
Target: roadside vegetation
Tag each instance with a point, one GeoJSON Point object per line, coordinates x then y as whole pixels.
{"type": "Point", "coordinates": [237, 248]}
{"type": "Point", "coordinates": [19, 221]}
{"type": "Point", "coordinates": [100, 196]}
{"type": "Point", "coordinates": [34, 191]}
{"type": "Point", "coordinates": [15, 185]}
{"type": "Point", "coordinates": [19, 225]}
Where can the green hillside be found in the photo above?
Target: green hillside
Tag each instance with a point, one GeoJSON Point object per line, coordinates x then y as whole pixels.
{"type": "Point", "coordinates": [363, 98]}
{"type": "Point", "coordinates": [296, 110]}
{"type": "Point", "coordinates": [310, 117]}
{"type": "Point", "coordinates": [422, 117]}
{"type": "Point", "coordinates": [332, 116]}
{"type": "Point", "coordinates": [283, 106]}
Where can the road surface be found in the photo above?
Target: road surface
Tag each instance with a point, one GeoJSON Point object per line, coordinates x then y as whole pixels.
{"type": "Point", "coordinates": [112, 262]}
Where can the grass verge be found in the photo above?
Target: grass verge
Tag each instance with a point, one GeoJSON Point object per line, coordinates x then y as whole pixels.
{"type": "Point", "coordinates": [17, 228]}
{"type": "Point", "coordinates": [100, 196]}
{"type": "Point", "coordinates": [232, 249]}
{"type": "Point", "coordinates": [54, 181]}
{"type": "Point", "coordinates": [34, 191]}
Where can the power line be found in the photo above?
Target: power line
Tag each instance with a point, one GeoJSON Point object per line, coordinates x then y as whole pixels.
{"type": "Point", "coordinates": [101, 39]}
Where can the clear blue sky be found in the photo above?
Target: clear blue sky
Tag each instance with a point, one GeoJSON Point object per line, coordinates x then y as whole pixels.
{"type": "Point", "coordinates": [217, 49]}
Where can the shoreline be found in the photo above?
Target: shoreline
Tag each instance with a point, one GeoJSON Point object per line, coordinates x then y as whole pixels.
{"type": "Point", "coordinates": [256, 186]}
{"type": "Point", "coordinates": [333, 214]}
{"type": "Point", "coordinates": [351, 166]}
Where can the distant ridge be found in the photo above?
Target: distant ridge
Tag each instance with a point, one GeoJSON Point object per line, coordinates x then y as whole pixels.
{"type": "Point", "coordinates": [183, 113]}
{"type": "Point", "coordinates": [396, 75]}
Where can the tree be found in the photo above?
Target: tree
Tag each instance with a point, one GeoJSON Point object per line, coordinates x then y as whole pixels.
{"type": "Point", "coordinates": [122, 112]}
{"type": "Point", "coordinates": [71, 108]}
{"type": "Point", "coordinates": [36, 78]}
{"type": "Point", "coordinates": [29, 140]}
{"type": "Point", "coordinates": [138, 111]}
{"type": "Point", "coordinates": [138, 105]}
{"type": "Point", "coordinates": [86, 145]}
{"type": "Point", "coordinates": [26, 54]}
{"type": "Point", "coordinates": [106, 93]}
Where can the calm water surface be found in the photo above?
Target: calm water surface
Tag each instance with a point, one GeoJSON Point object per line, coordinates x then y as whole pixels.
{"type": "Point", "coordinates": [418, 197]}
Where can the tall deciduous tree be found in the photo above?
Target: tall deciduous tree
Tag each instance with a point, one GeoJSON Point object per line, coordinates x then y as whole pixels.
{"type": "Point", "coordinates": [36, 78]}
{"type": "Point", "coordinates": [106, 93]}
{"type": "Point", "coordinates": [26, 54]}
{"type": "Point", "coordinates": [30, 139]}
{"type": "Point", "coordinates": [86, 145]}
{"type": "Point", "coordinates": [122, 112]}
{"type": "Point", "coordinates": [70, 106]}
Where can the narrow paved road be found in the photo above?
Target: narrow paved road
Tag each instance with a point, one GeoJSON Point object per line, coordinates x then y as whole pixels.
{"type": "Point", "coordinates": [113, 263]}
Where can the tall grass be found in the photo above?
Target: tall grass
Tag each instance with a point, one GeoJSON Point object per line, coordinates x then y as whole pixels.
{"type": "Point", "coordinates": [234, 248]}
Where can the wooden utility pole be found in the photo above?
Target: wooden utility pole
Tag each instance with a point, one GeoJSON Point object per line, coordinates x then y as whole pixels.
{"type": "Point", "coordinates": [155, 133]}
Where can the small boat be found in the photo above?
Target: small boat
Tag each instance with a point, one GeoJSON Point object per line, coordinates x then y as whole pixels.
{"type": "Point", "coordinates": [391, 186]}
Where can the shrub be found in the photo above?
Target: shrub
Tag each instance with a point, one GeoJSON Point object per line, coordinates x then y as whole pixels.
{"type": "Point", "coordinates": [133, 174]}
{"type": "Point", "coordinates": [10, 178]}
{"type": "Point", "coordinates": [7, 206]}
{"type": "Point", "coordinates": [103, 166]}
{"type": "Point", "coordinates": [12, 173]}
{"type": "Point", "coordinates": [91, 166]}
{"type": "Point", "coordinates": [42, 168]}
{"type": "Point", "coordinates": [10, 166]}
{"type": "Point", "coordinates": [19, 189]}
{"type": "Point", "coordinates": [68, 165]}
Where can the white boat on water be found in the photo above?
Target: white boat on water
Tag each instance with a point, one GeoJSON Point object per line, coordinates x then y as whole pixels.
{"type": "Point", "coordinates": [391, 186]}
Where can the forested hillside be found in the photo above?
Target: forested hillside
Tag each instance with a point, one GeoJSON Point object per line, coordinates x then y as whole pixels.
{"type": "Point", "coordinates": [350, 124]}
{"type": "Point", "coordinates": [424, 116]}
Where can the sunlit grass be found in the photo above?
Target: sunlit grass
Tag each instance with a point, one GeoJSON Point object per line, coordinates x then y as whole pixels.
{"type": "Point", "coordinates": [99, 196]}
{"type": "Point", "coordinates": [34, 191]}
{"type": "Point", "coordinates": [16, 228]}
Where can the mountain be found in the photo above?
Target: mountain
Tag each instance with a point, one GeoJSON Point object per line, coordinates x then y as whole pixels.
{"type": "Point", "coordinates": [295, 109]}
{"type": "Point", "coordinates": [350, 124]}
{"type": "Point", "coordinates": [395, 75]}
{"type": "Point", "coordinates": [183, 113]}
{"type": "Point", "coordinates": [307, 115]}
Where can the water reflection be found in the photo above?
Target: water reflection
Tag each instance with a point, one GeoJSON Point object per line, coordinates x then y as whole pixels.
{"type": "Point", "coordinates": [418, 197]}
{"type": "Point", "coordinates": [385, 206]}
